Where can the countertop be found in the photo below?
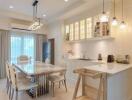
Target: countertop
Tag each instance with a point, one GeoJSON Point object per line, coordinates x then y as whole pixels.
{"type": "Point", "coordinates": [110, 68]}
{"type": "Point", "coordinates": [88, 60]}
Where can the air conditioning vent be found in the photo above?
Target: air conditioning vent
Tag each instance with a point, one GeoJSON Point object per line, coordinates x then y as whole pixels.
{"type": "Point", "coordinates": [20, 27]}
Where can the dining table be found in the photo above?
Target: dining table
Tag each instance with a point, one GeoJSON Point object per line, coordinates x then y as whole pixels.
{"type": "Point", "coordinates": [38, 72]}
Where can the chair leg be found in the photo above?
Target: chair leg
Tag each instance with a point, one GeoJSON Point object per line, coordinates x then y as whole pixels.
{"type": "Point", "coordinates": [9, 90]}
{"type": "Point", "coordinates": [36, 92]}
{"type": "Point", "coordinates": [53, 88]}
{"type": "Point", "coordinates": [16, 95]}
{"type": "Point", "coordinates": [59, 84]}
{"type": "Point", "coordinates": [12, 94]}
{"type": "Point", "coordinates": [65, 85]}
{"type": "Point", "coordinates": [7, 85]}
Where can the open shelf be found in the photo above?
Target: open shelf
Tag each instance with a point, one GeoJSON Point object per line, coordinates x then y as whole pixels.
{"type": "Point", "coordinates": [93, 39]}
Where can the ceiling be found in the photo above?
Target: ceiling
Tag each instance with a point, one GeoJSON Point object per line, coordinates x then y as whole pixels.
{"type": "Point", "coordinates": [52, 8]}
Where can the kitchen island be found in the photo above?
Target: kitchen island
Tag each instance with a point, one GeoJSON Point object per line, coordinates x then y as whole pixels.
{"type": "Point", "coordinates": [119, 77]}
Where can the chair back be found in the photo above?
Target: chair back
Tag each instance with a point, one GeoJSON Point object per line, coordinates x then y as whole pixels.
{"type": "Point", "coordinates": [63, 64]}
{"type": "Point", "coordinates": [47, 61]}
{"type": "Point", "coordinates": [23, 59]}
{"type": "Point", "coordinates": [13, 76]}
{"type": "Point", "coordinates": [7, 71]}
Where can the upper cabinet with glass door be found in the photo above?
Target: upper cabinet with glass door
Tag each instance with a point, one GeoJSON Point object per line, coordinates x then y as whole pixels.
{"type": "Point", "coordinates": [88, 28]}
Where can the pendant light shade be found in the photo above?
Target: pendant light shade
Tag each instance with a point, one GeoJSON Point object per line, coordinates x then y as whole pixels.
{"type": "Point", "coordinates": [104, 16]}
{"type": "Point", "coordinates": [114, 20]}
{"type": "Point", "coordinates": [122, 24]}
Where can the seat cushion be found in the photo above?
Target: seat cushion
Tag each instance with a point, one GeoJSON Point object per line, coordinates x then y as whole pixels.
{"type": "Point", "coordinates": [25, 84]}
{"type": "Point", "coordinates": [56, 78]}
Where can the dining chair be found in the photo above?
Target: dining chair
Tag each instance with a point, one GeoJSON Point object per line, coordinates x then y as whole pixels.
{"type": "Point", "coordinates": [58, 77]}
{"type": "Point", "coordinates": [47, 61]}
{"type": "Point", "coordinates": [82, 75]}
{"type": "Point", "coordinates": [23, 59]}
{"type": "Point", "coordinates": [8, 79]}
{"type": "Point", "coordinates": [20, 84]}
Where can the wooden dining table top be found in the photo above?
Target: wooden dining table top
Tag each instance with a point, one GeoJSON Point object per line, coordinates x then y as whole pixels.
{"type": "Point", "coordinates": [38, 68]}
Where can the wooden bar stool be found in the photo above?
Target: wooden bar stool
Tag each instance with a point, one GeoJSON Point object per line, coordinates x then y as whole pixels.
{"type": "Point", "coordinates": [82, 74]}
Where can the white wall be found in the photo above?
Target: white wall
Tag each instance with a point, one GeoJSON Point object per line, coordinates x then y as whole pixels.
{"type": "Point", "coordinates": [55, 31]}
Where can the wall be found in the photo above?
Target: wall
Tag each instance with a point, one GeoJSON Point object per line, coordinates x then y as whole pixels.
{"type": "Point", "coordinates": [55, 31]}
{"type": "Point", "coordinates": [5, 23]}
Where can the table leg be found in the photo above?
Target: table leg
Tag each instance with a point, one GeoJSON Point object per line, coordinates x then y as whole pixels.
{"type": "Point", "coordinates": [105, 86]}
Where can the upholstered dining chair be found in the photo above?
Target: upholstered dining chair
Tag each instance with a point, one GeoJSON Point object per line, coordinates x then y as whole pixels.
{"type": "Point", "coordinates": [20, 84]}
{"type": "Point", "coordinates": [47, 61]}
{"type": "Point", "coordinates": [8, 84]}
{"type": "Point", "coordinates": [23, 59]}
{"type": "Point", "coordinates": [58, 77]}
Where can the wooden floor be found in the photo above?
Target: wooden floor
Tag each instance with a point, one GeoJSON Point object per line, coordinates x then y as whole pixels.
{"type": "Point", "coordinates": [60, 93]}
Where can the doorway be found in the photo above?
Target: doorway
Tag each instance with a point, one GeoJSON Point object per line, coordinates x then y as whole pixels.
{"type": "Point", "coordinates": [49, 51]}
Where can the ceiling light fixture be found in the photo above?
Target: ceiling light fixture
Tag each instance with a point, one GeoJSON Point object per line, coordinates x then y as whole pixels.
{"type": "Point", "coordinates": [36, 21]}
{"type": "Point", "coordinates": [104, 17]}
{"type": "Point", "coordinates": [123, 24]}
{"type": "Point", "coordinates": [114, 20]}
{"type": "Point", "coordinates": [11, 7]}
{"type": "Point", "coordinates": [44, 15]}
{"type": "Point", "coordinates": [66, 0]}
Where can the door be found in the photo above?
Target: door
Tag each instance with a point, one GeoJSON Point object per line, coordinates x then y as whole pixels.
{"type": "Point", "coordinates": [48, 51]}
{"type": "Point", "coordinates": [51, 48]}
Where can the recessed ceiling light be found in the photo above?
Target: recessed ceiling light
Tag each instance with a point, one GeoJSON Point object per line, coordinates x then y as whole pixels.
{"type": "Point", "coordinates": [66, 0]}
{"type": "Point", "coordinates": [44, 15]}
{"type": "Point", "coordinates": [11, 7]}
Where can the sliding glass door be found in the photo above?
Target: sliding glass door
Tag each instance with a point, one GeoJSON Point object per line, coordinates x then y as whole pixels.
{"type": "Point", "coordinates": [22, 44]}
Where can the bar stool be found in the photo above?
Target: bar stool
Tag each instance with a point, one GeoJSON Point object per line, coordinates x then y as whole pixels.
{"type": "Point", "coordinates": [82, 74]}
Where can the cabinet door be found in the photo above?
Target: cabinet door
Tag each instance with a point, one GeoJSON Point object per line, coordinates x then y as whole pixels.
{"type": "Point", "coordinates": [88, 27]}
{"type": "Point", "coordinates": [67, 32]}
{"type": "Point", "coordinates": [71, 32]}
{"type": "Point", "coordinates": [82, 29]}
{"type": "Point", "coordinates": [77, 31]}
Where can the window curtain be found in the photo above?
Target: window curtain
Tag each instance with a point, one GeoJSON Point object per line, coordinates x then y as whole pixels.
{"type": "Point", "coordinates": [40, 39]}
{"type": "Point", "coordinates": [22, 43]}
{"type": "Point", "coordinates": [4, 54]}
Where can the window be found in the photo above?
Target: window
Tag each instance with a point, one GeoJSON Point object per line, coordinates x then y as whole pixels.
{"type": "Point", "coordinates": [71, 32]}
{"type": "Point", "coordinates": [82, 29]}
{"type": "Point", "coordinates": [77, 31]}
{"type": "Point", "coordinates": [22, 45]}
{"type": "Point", "coordinates": [89, 27]}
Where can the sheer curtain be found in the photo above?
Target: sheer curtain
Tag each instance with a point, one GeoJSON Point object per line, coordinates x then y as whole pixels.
{"type": "Point", "coordinates": [13, 44]}
{"type": "Point", "coordinates": [22, 44]}
{"type": "Point", "coordinates": [4, 54]}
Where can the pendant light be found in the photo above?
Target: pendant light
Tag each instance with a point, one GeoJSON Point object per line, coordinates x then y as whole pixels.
{"type": "Point", "coordinates": [114, 20]}
{"type": "Point", "coordinates": [104, 17]}
{"type": "Point", "coordinates": [123, 24]}
{"type": "Point", "coordinates": [36, 21]}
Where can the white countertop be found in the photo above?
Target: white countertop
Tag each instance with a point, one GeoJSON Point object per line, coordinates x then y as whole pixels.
{"type": "Point", "coordinates": [111, 68]}
{"type": "Point", "coordinates": [92, 60]}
